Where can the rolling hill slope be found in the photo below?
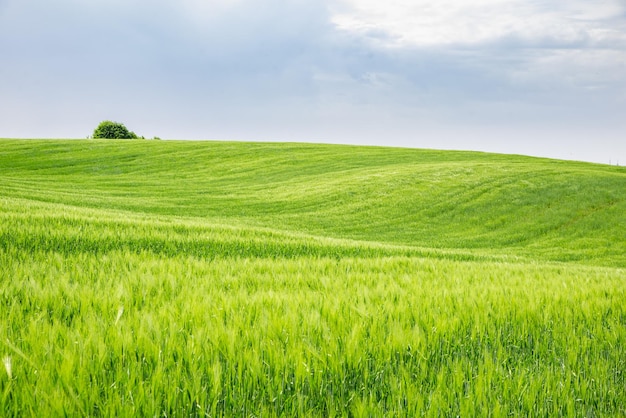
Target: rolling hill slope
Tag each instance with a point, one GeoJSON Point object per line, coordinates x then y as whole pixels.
{"type": "Point", "coordinates": [173, 278]}
{"type": "Point", "coordinates": [474, 202]}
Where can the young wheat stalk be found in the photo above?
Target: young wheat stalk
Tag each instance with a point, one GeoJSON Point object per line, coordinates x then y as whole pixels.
{"type": "Point", "coordinates": [7, 366]}
{"type": "Point", "coordinates": [119, 314]}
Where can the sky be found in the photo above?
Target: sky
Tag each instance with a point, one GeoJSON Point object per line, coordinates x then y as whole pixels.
{"type": "Point", "coordinates": [544, 78]}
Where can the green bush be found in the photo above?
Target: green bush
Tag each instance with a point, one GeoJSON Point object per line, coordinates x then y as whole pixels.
{"type": "Point", "coordinates": [113, 130]}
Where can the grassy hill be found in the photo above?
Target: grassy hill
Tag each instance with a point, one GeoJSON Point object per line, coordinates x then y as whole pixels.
{"type": "Point", "coordinates": [175, 278]}
{"type": "Point", "coordinates": [474, 202]}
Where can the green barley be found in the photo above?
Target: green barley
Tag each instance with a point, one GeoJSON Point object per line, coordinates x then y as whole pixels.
{"type": "Point", "coordinates": [217, 279]}
{"type": "Point", "coordinates": [7, 366]}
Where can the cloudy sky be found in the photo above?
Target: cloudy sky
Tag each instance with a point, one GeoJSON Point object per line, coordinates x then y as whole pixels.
{"type": "Point", "coordinates": [544, 78]}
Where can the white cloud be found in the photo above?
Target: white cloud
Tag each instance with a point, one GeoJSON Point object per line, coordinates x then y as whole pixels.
{"type": "Point", "coordinates": [459, 22]}
{"type": "Point", "coordinates": [539, 52]}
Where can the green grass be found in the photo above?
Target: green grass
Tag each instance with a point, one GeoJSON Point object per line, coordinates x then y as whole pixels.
{"type": "Point", "coordinates": [163, 278]}
{"type": "Point", "coordinates": [512, 205]}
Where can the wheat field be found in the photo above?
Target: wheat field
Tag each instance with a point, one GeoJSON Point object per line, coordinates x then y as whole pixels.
{"type": "Point", "coordinates": [173, 278]}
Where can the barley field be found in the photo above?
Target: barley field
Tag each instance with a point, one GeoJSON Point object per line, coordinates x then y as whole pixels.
{"type": "Point", "coordinates": [175, 279]}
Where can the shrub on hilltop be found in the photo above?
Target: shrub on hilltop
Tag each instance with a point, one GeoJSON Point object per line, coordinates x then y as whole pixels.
{"type": "Point", "coordinates": [113, 130]}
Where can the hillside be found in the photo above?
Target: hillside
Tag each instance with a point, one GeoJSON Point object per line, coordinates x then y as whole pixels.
{"type": "Point", "coordinates": [173, 278]}
{"type": "Point", "coordinates": [461, 202]}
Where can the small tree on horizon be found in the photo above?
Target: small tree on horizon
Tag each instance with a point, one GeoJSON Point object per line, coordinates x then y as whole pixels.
{"type": "Point", "coordinates": [113, 130]}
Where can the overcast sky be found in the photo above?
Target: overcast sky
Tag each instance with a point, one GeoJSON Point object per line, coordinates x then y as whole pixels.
{"type": "Point", "coordinates": [545, 78]}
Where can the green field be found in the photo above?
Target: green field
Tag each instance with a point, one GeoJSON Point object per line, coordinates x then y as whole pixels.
{"type": "Point", "coordinates": [180, 278]}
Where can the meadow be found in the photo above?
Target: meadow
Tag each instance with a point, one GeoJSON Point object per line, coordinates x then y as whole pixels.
{"type": "Point", "coordinates": [175, 278]}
